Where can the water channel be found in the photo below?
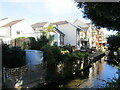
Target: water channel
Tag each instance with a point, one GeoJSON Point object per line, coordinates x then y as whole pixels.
{"type": "Point", "coordinates": [92, 78]}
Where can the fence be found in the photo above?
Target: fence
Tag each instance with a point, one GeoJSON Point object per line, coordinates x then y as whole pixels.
{"type": "Point", "coordinates": [23, 76]}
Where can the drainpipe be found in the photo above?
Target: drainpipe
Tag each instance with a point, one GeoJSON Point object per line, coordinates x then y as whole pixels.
{"type": "Point", "coordinates": [10, 32]}
{"type": "Point", "coordinates": [10, 35]}
{"type": "Point", "coordinates": [76, 38]}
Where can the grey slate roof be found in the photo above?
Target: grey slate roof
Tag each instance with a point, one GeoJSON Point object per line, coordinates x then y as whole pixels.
{"type": "Point", "coordinates": [59, 23]}
{"type": "Point", "coordinates": [59, 31]}
{"type": "Point", "coordinates": [38, 25]}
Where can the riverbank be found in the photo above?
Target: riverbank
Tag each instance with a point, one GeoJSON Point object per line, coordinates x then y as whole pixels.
{"type": "Point", "coordinates": [44, 77]}
{"type": "Point", "coordinates": [56, 83]}
{"type": "Point", "coordinates": [98, 76]}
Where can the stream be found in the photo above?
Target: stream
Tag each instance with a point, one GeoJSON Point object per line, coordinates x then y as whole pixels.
{"type": "Point", "coordinates": [94, 76]}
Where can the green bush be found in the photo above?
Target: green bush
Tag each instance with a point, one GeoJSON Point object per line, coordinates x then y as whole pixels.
{"type": "Point", "coordinates": [82, 54]}
{"type": "Point", "coordinates": [56, 51]}
{"type": "Point", "coordinates": [19, 38]}
{"type": "Point", "coordinates": [67, 47]}
{"type": "Point", "coordinates": [32, 44]}
{"type": "Point", "coordinates": [12, 56]}
{"type": "Point", "coordinates": [112, 84]}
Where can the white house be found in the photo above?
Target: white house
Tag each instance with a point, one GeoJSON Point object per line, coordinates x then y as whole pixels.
{"type": "Point", "coordinates": [86, 33]}
{"type": "Point", "coordinates": [72, 33]}
{"type": "Point", "coordinates": [58, 35]}
{"type": "Point", "coordinates": [4, 21]}
{"type": "Point", "coordinates": [38, 27]}
{"type": "Point", "coordinates": [15, 29]}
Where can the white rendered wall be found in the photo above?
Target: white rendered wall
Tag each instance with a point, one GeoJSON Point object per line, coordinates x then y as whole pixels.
{"type": "Point", "coordinates": [70, 33]}
{"type": "Point", "coordinates": [24, 28]}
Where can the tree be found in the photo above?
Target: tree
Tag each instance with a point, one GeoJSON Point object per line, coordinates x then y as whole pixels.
{"type": "Point", "coordinates": [102, 14]}
{"type": "Point", "coordinates": [114, 42]}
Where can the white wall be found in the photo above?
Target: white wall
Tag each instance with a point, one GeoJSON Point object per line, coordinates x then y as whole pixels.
{"type": "Point", "coordinates": [57, 38]}
{"type": "Point", "coordinates": [5, 32]}
{"type": "Point", "coordinates": [3, 22]}
{"type": "Point", "coordinates": [70, 33]}
{"type": "Point", "coordinates": [89, 34]}
{"type": "Point", "coordinates": [24, 28]}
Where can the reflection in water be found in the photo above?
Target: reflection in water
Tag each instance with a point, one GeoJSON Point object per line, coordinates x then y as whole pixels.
{"type": "Point", "coordinates": [92, 77]}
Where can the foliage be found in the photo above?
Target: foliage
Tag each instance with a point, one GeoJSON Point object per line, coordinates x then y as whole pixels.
{"type": "Point", "coordinates": [112, 84]}
{"type": "Point", "coordinates": [12, 56]}
{"type": "Point", "coordinates": [55, 50]}
{"type": "Point", "coordinates": [65, 51]}
{"type": "Point", "coordinates": [22, 42]}
{"type": "Point", "coordinates": [85, 47]}
{"type": "Point", "coordinates": [114, 42]}
{"type": "Point", "coordinates": [82, 54]}
{"type": "Point", "coordinates": [102, 14]}
{"type": "Point", "coordinates": [67, 47]}
{"type": "Point", "coordinates": [49, 28]}
{"type": "Point", "coordinates": [119, 51]}
{"type": "Point", "coordinates": [20, 38]}
{"type": "Point", "coordinates": [41, 41]}
{"type": "Point", "coordinates": [32, 44]}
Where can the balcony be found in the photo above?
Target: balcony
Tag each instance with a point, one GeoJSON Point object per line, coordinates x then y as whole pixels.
{"type": "Point", "coordinates": [84, 39]}
{"type": "Point", "coordinates": [102, 41]}
{"type": "Point", "coordinates": [94, 40]}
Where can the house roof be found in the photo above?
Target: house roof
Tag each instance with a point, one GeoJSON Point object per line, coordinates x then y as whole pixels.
{"type": "Point", "coordinates": [79, 28]}
{"type": "Point", "coordinates": [59, 23]}
{"type": "Point", "coordinates": [11, 23]}
{"type": "Point", "coordinates": [80, 24]}
{"type": "Point", "coordinates": [59, 31]}
{"type": "Point", "coordinates": [38, 25]}
{"type": "Point", "coordinates": [3, 19]}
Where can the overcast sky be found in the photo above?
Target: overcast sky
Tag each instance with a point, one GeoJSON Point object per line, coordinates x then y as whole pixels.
{"type": "Point", "coordinates": [41, 10]}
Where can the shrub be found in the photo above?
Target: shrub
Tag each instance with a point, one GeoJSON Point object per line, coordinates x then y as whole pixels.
{"type": "Point", "coordinates": [82, 54]}
{"type": "Point", "coordinates": [19, 38]}
{"type": "Point", "coordinates": [57, 53]}
{"type": "Point", "coordinates": [32, 44]}
{"type": "Point", "coordinates": [67, 47]}
{"type": "Point", "coordinates": [55, 50]}
{"type": "Point", "coordinates": [112, 84]}
{"type": "Point", "coordinates": [12, 56]}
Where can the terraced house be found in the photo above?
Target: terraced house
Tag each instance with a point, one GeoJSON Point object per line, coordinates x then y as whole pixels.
{"type": "Point", "coordinates": [78, 34]}
{"type": "Point", "coordinates": [72, 33]}
{"type": "Point", "coordinates": [51, 30]}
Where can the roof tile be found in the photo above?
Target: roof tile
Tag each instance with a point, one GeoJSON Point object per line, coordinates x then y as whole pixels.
{"type": "Point", "coordinates": [11, 23]}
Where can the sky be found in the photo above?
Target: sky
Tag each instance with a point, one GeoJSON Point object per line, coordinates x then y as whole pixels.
{"type": "Point", "coordinates": [42, 10]}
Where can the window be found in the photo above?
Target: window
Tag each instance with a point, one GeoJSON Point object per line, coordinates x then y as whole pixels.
{"type": "Point", "coordinates": [18, 32]}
